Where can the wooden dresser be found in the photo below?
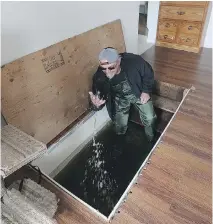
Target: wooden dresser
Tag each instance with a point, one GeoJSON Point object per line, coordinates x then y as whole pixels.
{"type": "Point", "coordinates": [180, 24]}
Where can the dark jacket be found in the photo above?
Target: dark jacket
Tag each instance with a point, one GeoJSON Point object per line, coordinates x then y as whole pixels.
{"type": "Point", "coordinates": [139, 74]}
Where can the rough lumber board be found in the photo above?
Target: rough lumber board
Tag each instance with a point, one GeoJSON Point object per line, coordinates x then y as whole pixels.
{"type": "Point", "coordinates": [17, 149]}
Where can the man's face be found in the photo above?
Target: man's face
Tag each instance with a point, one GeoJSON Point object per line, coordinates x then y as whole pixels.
{"type": "Point", "coordinates": [110, 69]}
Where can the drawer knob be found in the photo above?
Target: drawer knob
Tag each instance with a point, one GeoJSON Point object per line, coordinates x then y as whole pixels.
{"type": "Point", "coordinates": [190, 28]}
{"type": "Point", "coordinates": [188, 39]}
{"type": "Point", "coordinates": [165, 36]}
{"type": "Point", "coordinates": [167, 25]}
{"type": "Point", "coordinates": [180, 13]}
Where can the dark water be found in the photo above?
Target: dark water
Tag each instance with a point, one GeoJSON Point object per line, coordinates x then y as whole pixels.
{"type": "Point", "coordinates": [101, 172]}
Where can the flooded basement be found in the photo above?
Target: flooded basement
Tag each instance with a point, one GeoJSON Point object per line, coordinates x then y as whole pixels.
{"type": "Point", "coordinates": [102, 171]}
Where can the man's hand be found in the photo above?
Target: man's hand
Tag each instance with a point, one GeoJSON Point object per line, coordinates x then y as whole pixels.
{"type": "Point", "coordinates": [144, 98]}
{"type": "Point", "coordinates": [96, 100]}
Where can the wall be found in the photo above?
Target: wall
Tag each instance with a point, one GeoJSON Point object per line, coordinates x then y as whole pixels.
{"type": "Point", "coordinates": [59, 155]}
{"type": "Point", "coordinates": [207, 30]}
{"type": "Point", "coordinates": [208, 37]}
{"type": "Point", "coordinates": [142, 2]}
{"type": "Point", "coordinates": [152, 20]}
{"type": "Point", "coordinates": [31, 26]}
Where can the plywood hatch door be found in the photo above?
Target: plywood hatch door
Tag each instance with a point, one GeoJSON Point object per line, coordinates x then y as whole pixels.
{"type": "Point", "coordinates": [44, 92]}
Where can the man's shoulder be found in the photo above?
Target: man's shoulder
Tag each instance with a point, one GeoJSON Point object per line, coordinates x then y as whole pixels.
{"type": "Point", "coordinates": [129, 55]}
{"type": "Point", "coordinates": [132, 59]}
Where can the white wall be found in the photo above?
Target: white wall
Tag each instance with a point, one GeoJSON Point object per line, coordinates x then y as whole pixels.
{"type": "Point", "coordinates": [152, 20]}
{"type": "Point", "coordinates": [31, 26]}
{"type": "Point", "coordinates": [207, 39]}
{"type": "Point", "coordinates": [58, 155]}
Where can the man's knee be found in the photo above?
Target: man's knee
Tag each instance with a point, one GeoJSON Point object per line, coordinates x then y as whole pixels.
{"type": "Point", "coordinates": [150, 120]}
{"type": "Point", "coordinates": [121, 123]}
{"type": "Point", "coordinates": [120, 129]}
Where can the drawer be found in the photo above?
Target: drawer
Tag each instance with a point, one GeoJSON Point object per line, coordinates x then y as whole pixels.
{"type": "Point", "coordinates": [167, 25]}
{"type": "Point", "coordinates": [189, 40]}
{"type": "Point", "coordinates": [190, 27]}
{"type": "Point", "coordinates": [184, 3]}
{"type": "Point", "coordinates": [182, 13]}
{"type": "Point", "coordinates": [166, 36]}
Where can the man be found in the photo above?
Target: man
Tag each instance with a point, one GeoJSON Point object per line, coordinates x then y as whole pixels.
{"type": "Point", "coordinates": [123, 80]}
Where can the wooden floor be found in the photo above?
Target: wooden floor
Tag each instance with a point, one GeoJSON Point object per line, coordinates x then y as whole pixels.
{"type": "Point", "coordinates": [176, 186]}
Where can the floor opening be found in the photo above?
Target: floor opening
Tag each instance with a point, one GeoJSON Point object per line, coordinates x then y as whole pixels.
{"type": "Point", "coordinates": [103, 169]}
{"type": "Point", "coordinates": [99, 171]}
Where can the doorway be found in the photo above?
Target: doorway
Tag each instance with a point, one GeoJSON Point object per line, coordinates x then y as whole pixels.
{"type": "Point", "coordinates": [143, 30]}
{"type": "Point", "coordinates": [142, 25]}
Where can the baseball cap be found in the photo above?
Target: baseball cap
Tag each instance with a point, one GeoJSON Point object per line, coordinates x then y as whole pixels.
{"type": "Point", "coordinates": [109, 54]}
